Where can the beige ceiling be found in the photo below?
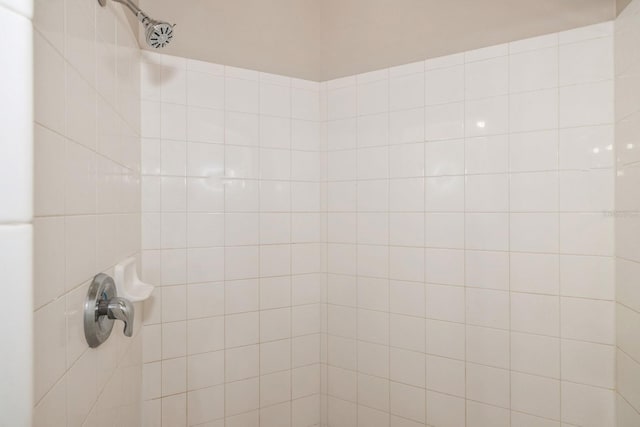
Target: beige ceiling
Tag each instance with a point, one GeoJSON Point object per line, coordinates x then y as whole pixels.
{"type": "Point", "coordinates": [324, 39]}
{"type": "Point", "coordinates": [621, 4]}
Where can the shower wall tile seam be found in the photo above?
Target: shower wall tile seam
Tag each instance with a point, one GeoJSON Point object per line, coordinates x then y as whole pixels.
{"type": "Point", "coordinates": [626, 77]}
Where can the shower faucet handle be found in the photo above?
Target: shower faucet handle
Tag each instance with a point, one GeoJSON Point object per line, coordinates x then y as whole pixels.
{"type": "Point", "coordinates": [102, 308]}
{"type": "Point", "coordinates": [118, 309]}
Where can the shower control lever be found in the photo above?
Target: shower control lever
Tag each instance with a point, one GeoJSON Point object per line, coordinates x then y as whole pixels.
{"type": "Point", "coordinates": [102, 307]}
{"type": "Point", "coordinates": [118, 309]}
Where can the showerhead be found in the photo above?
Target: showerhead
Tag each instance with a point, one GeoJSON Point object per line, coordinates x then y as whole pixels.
{"type": "Point", "coordinates": [157, 33]}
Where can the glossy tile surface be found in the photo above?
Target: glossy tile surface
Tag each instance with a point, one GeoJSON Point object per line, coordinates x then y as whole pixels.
{"type": "Point", "coordinates": [232, 229]}
{"type": "Point", "coordinates": [87, 207]}
{"type": "Point", "coordinates": [460, 233]}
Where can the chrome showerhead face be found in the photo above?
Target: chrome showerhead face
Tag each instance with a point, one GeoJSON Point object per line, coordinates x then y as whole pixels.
{"type": "Point", "coordinates": [159, 34]}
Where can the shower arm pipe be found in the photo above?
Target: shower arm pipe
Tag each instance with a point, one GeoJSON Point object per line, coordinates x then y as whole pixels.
{"type": "Point", "coordinates": [142, 17]}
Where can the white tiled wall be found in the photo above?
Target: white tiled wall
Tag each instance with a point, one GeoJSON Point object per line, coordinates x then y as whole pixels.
{"type": "Point", "coordinates": [430, 244]}
{"type": "Point", "coordinates": [87, 208]}
{"type": "Point", "coordinates": [627, 214]}
{"type": "Point", "coordinates": [16, 211]}
{"type": "Point", "coordinates": [469, 249]}
{"type": "Point", "coordinates": [231, 231]}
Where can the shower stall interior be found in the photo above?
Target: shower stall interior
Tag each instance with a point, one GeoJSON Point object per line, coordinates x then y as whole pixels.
{"type": "Point", "coordinates": [449, 242]}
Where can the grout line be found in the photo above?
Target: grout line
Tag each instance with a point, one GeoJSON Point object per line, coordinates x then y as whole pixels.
{"type": "Point", "coordinates": [558, 159]}
{"type": "Point", "coordinates": [258, 279]}
{"type": "Point", "coordinates": [357, 251]}
{"type": "Point", "coordinates": [388, 242]}
{"type": "Point", "coordinates": [424, 255]}
{"type": "Point", "coordinates": [224, 240]}
{"type": "Point", "coordinates": [186, 237]}
{"type": "Point", "coordinates": [617, 166]}
{"type": "Point", "coordinates": [554, 378]}
{"type": "Point", "coordinates": [555, 337]}
{"type": "Point", "coordinates": [464, 244]}
{"type": "Point", "coordinates": [291, 249]}
{"type": "Point", "coordinates": [509, 231]}
{"type": "Point", "coordinates": [161, 292]}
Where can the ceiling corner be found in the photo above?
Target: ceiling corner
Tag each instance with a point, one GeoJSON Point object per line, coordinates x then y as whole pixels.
{"type": "Point", "coordinates": [620, 5]}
